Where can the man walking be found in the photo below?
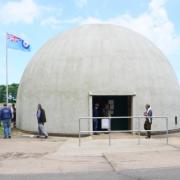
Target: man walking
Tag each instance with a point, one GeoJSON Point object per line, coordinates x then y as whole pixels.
{"type": "Point", "coordinates": [41, 117]}
{"type": "Point", "coordinates": [148, 121]}
{"type": "Point", "coordinates": [5, 116]}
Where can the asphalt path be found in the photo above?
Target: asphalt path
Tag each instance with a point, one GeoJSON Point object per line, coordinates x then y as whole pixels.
{"type": "Point", "coordinates": [143, 174]}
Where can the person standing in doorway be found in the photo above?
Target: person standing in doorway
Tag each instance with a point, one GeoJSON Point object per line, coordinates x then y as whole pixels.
{"type": "Point", "coordinates": [41, 118]}
{"type": "Point", "coordinates": [96, 113]}
{"type": "Point", "coordinates": [5, 116]}
{"type": "Point", "coordinates": [148, 122]}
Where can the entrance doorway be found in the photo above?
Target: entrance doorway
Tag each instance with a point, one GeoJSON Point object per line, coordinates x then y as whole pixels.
{"type": "Point", "coordinates": [114, 106]}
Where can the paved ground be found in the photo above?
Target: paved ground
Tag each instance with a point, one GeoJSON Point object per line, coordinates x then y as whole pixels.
{"type": "Point", "coordinates": [150, 174]}
{"type": "Point", "coordinates": [62, 157]}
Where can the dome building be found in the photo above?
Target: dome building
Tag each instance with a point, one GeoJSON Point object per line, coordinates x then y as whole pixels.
{"type": "Point", "coordinates": [97, 64]}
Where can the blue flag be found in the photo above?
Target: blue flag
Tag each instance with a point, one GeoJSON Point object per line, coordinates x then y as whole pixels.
{"type": "Point", "coordinates": [15, 42]}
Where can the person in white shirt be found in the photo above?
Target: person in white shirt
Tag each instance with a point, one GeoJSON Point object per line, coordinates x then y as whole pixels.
{"type": "Point", "coordinates": [148, 122]}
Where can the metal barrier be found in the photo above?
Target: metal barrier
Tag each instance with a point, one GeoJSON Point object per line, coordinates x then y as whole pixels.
{"type": "Point", "coordinates": [109, 131]}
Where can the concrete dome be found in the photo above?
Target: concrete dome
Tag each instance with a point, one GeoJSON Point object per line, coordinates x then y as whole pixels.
{"type": "Point", "coordinates": [96, 61]}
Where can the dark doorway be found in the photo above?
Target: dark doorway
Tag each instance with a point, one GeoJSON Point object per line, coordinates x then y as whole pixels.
{"type": "Point", "coordinates": [117, 106]}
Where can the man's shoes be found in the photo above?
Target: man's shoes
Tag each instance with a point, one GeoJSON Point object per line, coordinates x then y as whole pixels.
{"type": "Point", "coordinates": [38, 136]}
{"type": "Point", "coordinates": [46, 137]}
{"type": "Point", "coordinates": [9, 137]}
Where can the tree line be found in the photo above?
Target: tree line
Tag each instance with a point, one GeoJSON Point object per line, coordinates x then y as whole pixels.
{"type": "Point", "coordinates": [12, 88]}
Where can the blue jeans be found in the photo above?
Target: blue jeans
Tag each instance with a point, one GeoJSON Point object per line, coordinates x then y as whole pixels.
{"type": "Point", "coordinates": [7, 127]}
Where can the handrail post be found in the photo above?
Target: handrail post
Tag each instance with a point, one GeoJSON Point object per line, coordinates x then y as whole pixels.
{"type": "Point", "coordinates": [138, 131]}
{"type": "Point", "coordinates": [167, 134]}
{"type": "Point", "coordinates": [109, 131]}
{"type": "Point", "coordinates": [79, 132]}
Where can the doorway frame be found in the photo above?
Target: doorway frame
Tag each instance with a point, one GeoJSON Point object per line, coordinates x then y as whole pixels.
{"type": "Point", "coordinates": [90, 102]}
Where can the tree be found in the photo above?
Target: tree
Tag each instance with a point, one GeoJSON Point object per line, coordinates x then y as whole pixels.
{"type": "Point", "coordinates": [12, 93]}
{"type": "Point", "coordinates": [2, 93]}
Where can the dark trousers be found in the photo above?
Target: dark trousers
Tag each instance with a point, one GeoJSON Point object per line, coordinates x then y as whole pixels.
{"type": "Point", "coordinates": [95, 124]}
{"type": "Point", "coordinates": [147, 126]}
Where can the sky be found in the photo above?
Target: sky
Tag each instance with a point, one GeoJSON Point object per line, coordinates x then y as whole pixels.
{"type": "Point", "coordinates": [37, 21]}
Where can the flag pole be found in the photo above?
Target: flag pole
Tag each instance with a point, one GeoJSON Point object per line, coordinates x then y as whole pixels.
{"type": "Point", "coordinates": [6, 71]}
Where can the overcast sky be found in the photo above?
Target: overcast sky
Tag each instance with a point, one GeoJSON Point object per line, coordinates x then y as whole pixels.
{"type": "Point", "coordinates": [36, 21]}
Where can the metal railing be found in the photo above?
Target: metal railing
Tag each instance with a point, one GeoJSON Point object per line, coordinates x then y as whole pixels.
{"type": "Point", "coordinates": [137, 130]}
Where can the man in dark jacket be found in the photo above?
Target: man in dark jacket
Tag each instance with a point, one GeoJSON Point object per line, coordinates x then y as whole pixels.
{"type": "Point", "coordinates": [5, 116]}
{"type": "Point", "coordinates": [41, 118]}
{"type": "Point", "coordinates": [96, 113]}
